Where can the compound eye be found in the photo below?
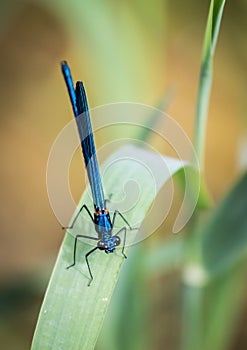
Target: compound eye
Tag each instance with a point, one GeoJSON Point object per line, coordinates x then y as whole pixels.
{"type": "Point", "coordinates": [117, 241]}
{"type": "Point", "coordinates": [101, 245]}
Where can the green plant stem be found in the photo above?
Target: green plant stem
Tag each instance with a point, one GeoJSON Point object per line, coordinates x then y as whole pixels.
{"type": "Point", "coordinates": [194, 275]}
{"type": "Point", "coordinates": [205, 80]}
{"type": "Point", "coordinates": [202, 110]}
{"type": "Point", "coordinates": [192, 318]}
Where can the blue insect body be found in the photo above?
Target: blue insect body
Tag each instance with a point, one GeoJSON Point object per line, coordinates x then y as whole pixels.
{"type": "Point", "coordinates": [101, 219]}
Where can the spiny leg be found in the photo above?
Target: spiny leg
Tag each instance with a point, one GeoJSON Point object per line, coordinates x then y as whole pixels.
{"type": "Point", "coordinates": [89, 269]}
{"type": "Point", "coordinates": [75, 245]}
{"type": "Point", "coordinates": [116, 212]}
{"type": "Point", "coordinates": [76, 217]}
{"type": "Point", "coordinates": [124, 241]}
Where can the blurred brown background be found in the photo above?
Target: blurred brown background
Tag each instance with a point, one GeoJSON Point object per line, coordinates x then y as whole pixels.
{"type": "Point", "coordinates": [124, 51]}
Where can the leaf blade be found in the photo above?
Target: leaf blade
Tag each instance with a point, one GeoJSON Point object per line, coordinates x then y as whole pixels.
{"type": "Point", "coordinates": [72, 314]}
{"type": "Point", "coordinates": [224, 239]}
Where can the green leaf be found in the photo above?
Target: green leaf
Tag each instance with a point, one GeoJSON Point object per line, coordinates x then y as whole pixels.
{"type": "Point", "coordinates": [210, 298]}
{"type": "Point", "coordinates": [224, 237]}
{"type": "Point", "coordinates": [224, 299]}
{"type": "Point", "coordinates": [210, 40]}
{"type": "Point", "coordinates": [193, 179]}
{"type": "Point", "coordinates": [72, 313]}
{"type": "Point", "coordinates": [131, 294]}
{"type": "Point", "coordinates": [145, 265]}
{"type": "Point", "coordinates": [165, 257]}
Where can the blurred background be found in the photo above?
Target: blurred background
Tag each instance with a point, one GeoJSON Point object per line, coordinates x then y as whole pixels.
{"type": "Point", "coordinates": [123, 51]}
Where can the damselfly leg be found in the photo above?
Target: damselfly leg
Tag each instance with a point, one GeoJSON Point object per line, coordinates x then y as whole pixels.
{"type": "Point", "coordinates": [77, 215]}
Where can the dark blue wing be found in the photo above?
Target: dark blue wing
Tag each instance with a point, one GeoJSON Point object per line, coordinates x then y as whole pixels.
{"type": "Point", "coordinates": [70, 86]}
{"type": "Point", "coordinates": [88, 147]}
{"type": "Point", "coordinates": [80, 108]}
